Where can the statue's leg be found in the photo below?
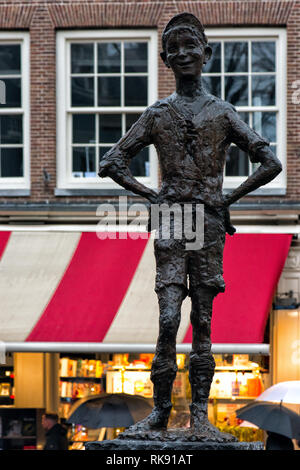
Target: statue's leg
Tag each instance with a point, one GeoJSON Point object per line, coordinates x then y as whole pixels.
{"type": "Point", "coordinates": [202, 364]}
{"type": "Point", "coordinates": [164, 365]}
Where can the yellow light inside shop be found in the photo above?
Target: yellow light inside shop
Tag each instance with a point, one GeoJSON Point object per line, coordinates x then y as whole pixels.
{"type": "Point", "coordinates": [180, 360]}
{"type": "Point", "coordinates": [286, 345]}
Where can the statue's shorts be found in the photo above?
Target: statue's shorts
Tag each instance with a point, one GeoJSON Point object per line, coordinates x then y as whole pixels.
{"type": "Point", "coordinates": [192, 268]}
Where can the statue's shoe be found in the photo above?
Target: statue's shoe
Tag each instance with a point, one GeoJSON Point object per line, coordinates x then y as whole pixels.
{"type": "Point", "coordinates": [156, 421]}
{"type": "Point", "coordinates": [203, 430]}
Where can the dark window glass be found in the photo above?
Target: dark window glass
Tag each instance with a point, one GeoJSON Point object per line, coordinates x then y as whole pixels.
{"type": "Point", "coordinates": [213, 85]}
{"type": "Point", "coordinates": [11, 162]}
{"type": "Point", "coordinates": [110, 128]}
{"type": "Point", "coordinates": [109, 57]}
{"type": "Point", "coordinates": [10, 59]}
{"type": "Point", "coordinates": [263, 90]}
{"type": "Point", "coordinates": [136, 56]}
{"type": "Point", "coordinates": [13, 97]}
{"type": "Point", "coordinates": [109, 91]}
{"type": "Point", "coordinates": [236, 162]}
{"type": "Point", "coordinates": [84, 128]}
{"type": "Point", "coordinates": [236, 90]}
{"type": "Point", "coordinates": [236, 56]}
{"type": "Point", "coordinates": [136, 93]}
{"type": "Point", "coordinates": [84, 162]}
{"type": "Point", "coordinates": [263, 56]}
{"type": "Point", "coordinates": [139, 165]}
{"type": "Point", "coordinates": [82, 91]}
{"type": "Point", "coordinates": [214, 63]}
{"type": "Point", "coordinates": [82, 58]}
{"type": "Point", "coordinates": [11, 129]}
{"type": "Point", "coordinates": [265, 124]}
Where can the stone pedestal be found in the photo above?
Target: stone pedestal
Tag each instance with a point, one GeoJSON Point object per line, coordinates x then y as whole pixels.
{"type": "Point", "coordinates": [169, 446]}
{"type": "Point", "coordinates": [173, 440]}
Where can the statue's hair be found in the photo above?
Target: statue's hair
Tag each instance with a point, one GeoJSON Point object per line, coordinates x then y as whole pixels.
{"type": "Point", "coordinates": [184, 21]}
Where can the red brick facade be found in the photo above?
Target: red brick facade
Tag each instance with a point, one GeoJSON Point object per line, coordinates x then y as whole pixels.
{"type": "Point", "coordinates": [44, 18]}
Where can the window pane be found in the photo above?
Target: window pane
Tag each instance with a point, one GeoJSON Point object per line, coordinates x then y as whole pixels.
{"type": "Point", "coordinates": [10, 59]}
{"type": "Point", "coordinates": [84, 128]}
{"type": "Point", "coordinates": [82, 58]}
{"type": "Point", "coordinates": [213, 85]}
{"type": "Point", "coordinates": [82, 91]}
{"type": "Point", "coordinates": [236, 90]}
{"type": "Point", "coordinates": [263, 90]}
{"type": "Point", "coordinates": [263, 56]}
{"type": "Point", "coordinates": [84, 162]}
{"type": "Point", "coordinates": [136, 56]}
{"type": "Point", "coordinates": [13, 97]}
{"type": "Point", "coordinates": [136, 93]}
{"type": "Point", "coordinates": [214, 63]}
{"type": "Point", "coordinates": [11, 162]}
{"type": "Point", "coordinates": [236, 162]}
{"type": "Point", "coordinates": [236, 56]}
{"type": "Point", "coordinates": [140, 165]}
{"type": "Point", "coordinates": [131, 119]}
{"type": "Point", "coordinates": [109, 57]}
{"type": "Point", "coordinates": [11, 129]}
{"type": "Point", "coordinates": [109, 91]}
{"type": "Point", "coordinates": [110, 128]}
{"type": "Point", "coordinates": [265, 125]}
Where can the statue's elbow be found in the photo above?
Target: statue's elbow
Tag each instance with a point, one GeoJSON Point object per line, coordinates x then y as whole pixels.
{"type": "Point", "coordinates": [277, 167]}
{"type": "Point", "coordinates": [274, 167]}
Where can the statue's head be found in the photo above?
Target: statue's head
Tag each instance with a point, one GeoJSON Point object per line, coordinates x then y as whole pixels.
{"type": "Point", "coordinates": [184, 45]}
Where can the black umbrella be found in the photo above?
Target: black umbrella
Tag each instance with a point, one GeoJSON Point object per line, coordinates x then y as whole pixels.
{"type": "Point", "coordinates": [114, 410]}
{"type": "Point", "coordinates": [272, 417]}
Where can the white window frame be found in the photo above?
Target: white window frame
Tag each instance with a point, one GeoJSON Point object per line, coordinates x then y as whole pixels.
{"type": "Point", "coordinates": [22, 38]}
{"type": "Point", "coordinates": [278, 185]}
{"type": "Point", "coordinates": [65, 180]}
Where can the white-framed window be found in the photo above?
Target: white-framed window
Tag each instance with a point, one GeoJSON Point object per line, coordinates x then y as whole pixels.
{"type": "Point", "coordinates": [248, 69]}
{"type": "Point", "coordinates": [105, 80]}
{"type": "Point", "coordinates": [14, 111]}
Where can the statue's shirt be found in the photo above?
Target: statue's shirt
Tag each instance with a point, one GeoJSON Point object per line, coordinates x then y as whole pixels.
{"type": "Point", "coordinates": [191, 150]}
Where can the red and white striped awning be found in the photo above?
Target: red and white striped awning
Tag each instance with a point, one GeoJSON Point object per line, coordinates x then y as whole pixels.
{"type": "Point", "coordinates": [71, 286]}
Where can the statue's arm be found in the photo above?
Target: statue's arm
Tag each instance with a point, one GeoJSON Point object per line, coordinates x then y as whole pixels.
{"type": "Point", "coordinates": [259, 152]}
{"type": "Point", "coordinates": [115, 163]}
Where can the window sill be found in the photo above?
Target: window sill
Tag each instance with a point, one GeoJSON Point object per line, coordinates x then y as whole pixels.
{"type": "Point", "coordinates": [92, 192]}
{"type": "Point", "coordinates": [14, 192]}
{"type": "Point", "coordinates": [261, 191]}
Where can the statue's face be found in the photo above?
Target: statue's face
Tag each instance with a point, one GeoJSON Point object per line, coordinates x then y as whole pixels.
{"type": "Point", "coordinates": [185, 53]}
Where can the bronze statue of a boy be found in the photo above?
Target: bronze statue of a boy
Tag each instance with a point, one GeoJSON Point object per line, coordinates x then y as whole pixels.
{"type": "Point", "coordinates": [191, 131]}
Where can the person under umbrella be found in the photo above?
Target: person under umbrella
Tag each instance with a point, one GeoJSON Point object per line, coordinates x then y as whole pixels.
{"type": "Point", "coordinates": [281, 423]}
{"type": "Point", "coordinates": [277, 441]}
{"type": "Point", "coordinates": [110, 410]}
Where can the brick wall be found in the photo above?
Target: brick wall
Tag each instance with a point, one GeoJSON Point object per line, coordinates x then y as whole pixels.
{"type": "Point", "coordinates": [43, 18]}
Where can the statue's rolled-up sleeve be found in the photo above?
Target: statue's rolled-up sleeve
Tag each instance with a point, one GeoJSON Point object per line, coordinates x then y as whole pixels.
{"type": "Point", "coordinates": [245, 138]}
{"type": "Point", "coordinates": [119, 156]}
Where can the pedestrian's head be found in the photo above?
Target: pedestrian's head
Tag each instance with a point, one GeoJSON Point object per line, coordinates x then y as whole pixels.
{"type": "Point", "coordinates": [184, 45]}
{"type": "Point", "coordinates": [49, 420]}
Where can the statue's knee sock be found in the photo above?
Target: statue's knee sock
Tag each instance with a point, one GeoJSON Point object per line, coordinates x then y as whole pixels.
{"type": "Point", "coordinates": [201, 372]}
{"type": "Point", "coordinates": [163, 374]}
